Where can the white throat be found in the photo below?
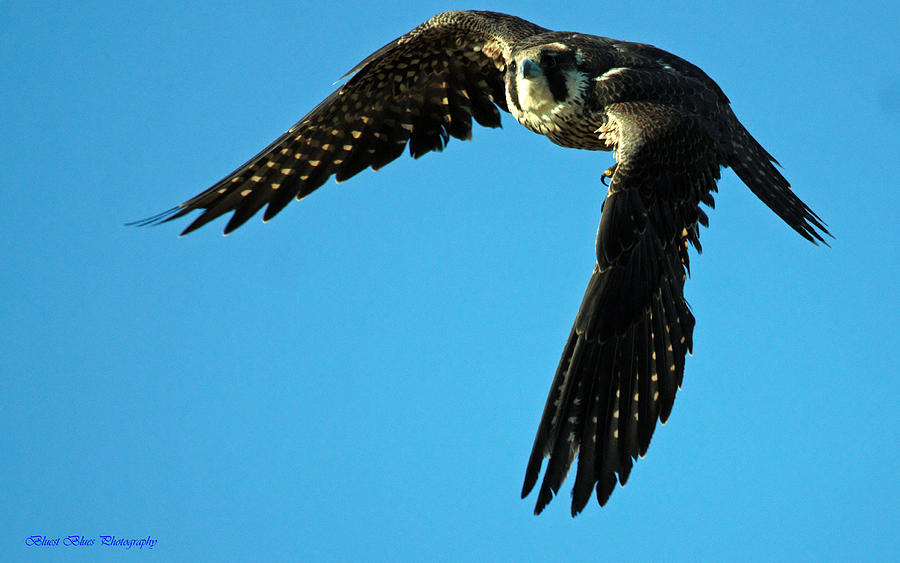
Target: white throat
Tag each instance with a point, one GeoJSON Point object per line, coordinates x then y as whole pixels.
{"type": "Point", "coordinates": [540, 110]}
{"type": "Point", "coordinates": [534, 95]}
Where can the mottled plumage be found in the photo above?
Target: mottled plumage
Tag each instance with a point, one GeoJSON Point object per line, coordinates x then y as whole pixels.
{"type": "Point", "coordinates": [671, 128]}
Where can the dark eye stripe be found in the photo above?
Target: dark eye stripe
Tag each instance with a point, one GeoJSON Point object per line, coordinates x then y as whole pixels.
{"type": "Point", "coordinates": [551, 60]}
{"type": "Point", "coordinates": [548, 60]}
{"type": "Point", "coordinates": [557, 83]}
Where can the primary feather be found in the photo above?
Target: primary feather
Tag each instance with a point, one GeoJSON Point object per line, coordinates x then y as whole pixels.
{"type": "Point", "coordinates": [672, 129]}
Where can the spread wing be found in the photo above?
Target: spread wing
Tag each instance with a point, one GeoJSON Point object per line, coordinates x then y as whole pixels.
{"type": "Point", "coordinates": [672, 129]}
{"type": "Point", "coordinates": [624, 359]}
{"type": "Point", "coordinates": [418, 90]}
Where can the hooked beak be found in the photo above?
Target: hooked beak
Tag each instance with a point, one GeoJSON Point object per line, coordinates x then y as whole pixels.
{"type": "Point", "coordinates": [530, 69]}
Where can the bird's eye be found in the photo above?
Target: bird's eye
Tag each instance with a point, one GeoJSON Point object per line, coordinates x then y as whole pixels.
{"type": "Point", "coordinates": [549, 61]}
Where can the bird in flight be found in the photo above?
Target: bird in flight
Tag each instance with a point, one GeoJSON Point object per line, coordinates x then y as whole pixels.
{"type": "Point", "coordinates": [671, 129]}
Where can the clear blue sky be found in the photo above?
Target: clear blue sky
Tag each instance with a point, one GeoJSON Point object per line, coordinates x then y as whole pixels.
{"type": "Point", "coordinates": [361, 378]}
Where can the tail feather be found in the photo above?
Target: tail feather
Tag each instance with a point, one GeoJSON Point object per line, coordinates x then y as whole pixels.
{"type": "Point", "coordinates": [756, 168]}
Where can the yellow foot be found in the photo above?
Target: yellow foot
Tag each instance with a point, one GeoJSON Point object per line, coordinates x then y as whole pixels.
{"type": "Point", "coordinates": [608, 174]}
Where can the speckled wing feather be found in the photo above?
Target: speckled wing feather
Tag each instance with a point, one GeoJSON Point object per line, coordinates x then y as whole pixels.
{"type": "Point", "coordinates": [672, 130]}
{"type": "Point", "coordinates": [624, 361]}
{"type": "Point", "coordinates": [420, 89]}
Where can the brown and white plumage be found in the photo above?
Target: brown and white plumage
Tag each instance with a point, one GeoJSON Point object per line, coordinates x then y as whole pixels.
{"type": "Point", "coordinates": [420, 90]}
{"type": "Point", "coordinates": [671, 128]}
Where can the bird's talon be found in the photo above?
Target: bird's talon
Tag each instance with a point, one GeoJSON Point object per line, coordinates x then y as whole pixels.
{"type": "Point", "coordinates": [608, 173]}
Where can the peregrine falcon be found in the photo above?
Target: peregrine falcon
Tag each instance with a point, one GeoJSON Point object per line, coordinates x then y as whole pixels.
{"type": "Point", "coordinates": [671, 129]}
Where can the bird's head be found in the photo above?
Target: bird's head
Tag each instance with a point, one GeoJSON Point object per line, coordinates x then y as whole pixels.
{"type": "Point", "coordinates": [547, 76]}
